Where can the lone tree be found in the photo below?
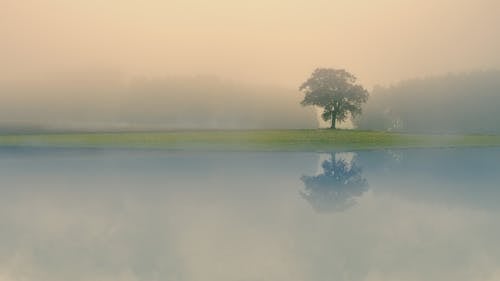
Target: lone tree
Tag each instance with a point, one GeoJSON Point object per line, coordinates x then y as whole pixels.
{"type": "Point", "coordinates": [336, 91]}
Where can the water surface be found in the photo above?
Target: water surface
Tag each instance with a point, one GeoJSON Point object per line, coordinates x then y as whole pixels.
{"type": "Point", "coordinates": [156, 215]}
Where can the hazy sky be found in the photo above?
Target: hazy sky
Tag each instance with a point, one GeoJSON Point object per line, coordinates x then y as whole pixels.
{"type": "Point", "coordinates": [264, 41]}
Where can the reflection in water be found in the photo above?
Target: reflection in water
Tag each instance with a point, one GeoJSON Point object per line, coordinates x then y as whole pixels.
{"type": "Point", "coordinates": [150, 215]}
{"type": "Point", "coordinates": [337, 187]}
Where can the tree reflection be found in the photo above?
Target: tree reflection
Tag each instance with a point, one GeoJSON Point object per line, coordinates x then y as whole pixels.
{"type": "Point", "coordinates": [337, 187]}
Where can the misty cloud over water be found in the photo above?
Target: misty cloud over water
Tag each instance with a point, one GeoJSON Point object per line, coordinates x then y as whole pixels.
{"type": "Point", "coordinates": [237, 216]}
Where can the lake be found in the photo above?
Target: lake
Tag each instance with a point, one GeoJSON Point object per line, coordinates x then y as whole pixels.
{"type": "Point", "coordinates": [89, 214]}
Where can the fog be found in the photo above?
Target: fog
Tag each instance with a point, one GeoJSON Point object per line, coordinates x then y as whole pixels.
{"type": "Point", "coordinates": [152, 215]}
{"type": "Point", "coordinates": [257, 42]}
{"type": "Point", "coordinates": [453, 103]}
{"type": "Point", "coordinates": [104, 101]}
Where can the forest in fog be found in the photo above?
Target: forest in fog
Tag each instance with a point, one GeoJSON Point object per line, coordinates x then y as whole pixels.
{"type": "Point", "coordinates": [106, 102]}
{"type": "Point", "coordinates": [453, 103]}
{"type": "Point", "coordinates": [77, 65]}
{"type": "Point", "coordinates": [98, 101]}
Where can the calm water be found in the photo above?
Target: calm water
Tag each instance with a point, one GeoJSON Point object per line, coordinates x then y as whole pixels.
{"type": "Point", "coordinates": [150, 215]}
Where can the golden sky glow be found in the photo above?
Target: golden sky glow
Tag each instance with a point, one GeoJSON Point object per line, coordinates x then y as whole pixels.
{"type": "Point", "coordinates": [263, 41]}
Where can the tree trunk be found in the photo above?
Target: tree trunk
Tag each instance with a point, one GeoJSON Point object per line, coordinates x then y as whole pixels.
{"type": "Point", "coordinates": [334, 119]}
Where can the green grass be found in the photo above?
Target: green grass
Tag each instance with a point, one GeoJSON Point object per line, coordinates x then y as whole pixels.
{"type": "Point", "coordinates": [250, 140]}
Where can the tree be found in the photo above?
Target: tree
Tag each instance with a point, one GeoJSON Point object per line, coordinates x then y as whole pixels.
{"type": "Point", "coordinates": [336, 91]}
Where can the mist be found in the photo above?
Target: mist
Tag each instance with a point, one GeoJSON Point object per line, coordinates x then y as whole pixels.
{"type": "Point", "coordinates": [105, 101]}
{"type": "Point", "coordinates": [453, 103]}
{"type": "Point", "coordinates": [262, 41]}
{"type": "Point", "coordinates": [150, 215]}
{"type": "Point", "coordinates": [45, 44]}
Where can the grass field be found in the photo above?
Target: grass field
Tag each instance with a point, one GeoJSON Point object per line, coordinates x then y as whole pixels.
{"type": "Point", "coordinates": [250, 140]}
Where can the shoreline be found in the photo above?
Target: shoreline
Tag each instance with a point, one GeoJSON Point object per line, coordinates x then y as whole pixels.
{"type": "Point", "coordinates": [321, 140]}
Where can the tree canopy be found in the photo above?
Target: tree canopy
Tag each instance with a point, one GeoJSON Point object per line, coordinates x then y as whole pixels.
{"type": "Point", "coordinates": [336, 91]}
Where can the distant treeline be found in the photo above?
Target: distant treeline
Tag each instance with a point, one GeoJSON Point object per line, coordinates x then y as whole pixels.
{"type": "Point", "coordinates": [455, 103]}
{"type": "Point", "coordinates": [102, 103]}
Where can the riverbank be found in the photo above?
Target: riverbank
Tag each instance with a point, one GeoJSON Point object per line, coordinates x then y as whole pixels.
{"type": "Point", "coordinates": [249, 140]}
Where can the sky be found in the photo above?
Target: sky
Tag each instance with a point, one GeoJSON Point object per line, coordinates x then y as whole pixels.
{"type": "Point", "coordinates": [261, 41]}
